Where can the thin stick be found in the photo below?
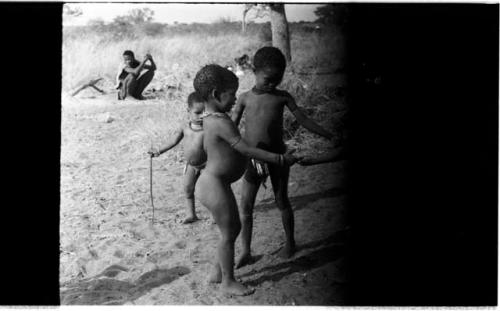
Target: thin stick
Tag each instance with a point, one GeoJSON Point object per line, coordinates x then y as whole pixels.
{"type": "Point", "coordinates": [98, 89]}
{"type": "Point", "coordinates": [91, 83]}
{"type": "Point", "coordinates": [151, 185]}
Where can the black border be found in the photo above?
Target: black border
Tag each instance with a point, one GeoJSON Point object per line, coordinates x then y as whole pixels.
{"type": "Point", "coordinates": [424, 178]}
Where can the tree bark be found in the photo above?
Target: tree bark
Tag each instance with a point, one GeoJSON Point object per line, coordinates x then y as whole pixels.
{"type": "Point", "coordinates": [246, 8]}
{"type": "Point", "coordinates": [279, 29]}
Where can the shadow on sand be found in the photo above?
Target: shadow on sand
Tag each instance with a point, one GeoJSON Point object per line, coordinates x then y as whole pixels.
{"type": "Point", "coordinates": [301, 201]}
{"type": "Point", "coordinates": [108, 291]}
{"type": "Point", "coordinates": [330, 249]}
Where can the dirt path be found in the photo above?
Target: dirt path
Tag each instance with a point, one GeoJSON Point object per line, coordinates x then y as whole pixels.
{"type": "Point", "coordinates": [111, 254]}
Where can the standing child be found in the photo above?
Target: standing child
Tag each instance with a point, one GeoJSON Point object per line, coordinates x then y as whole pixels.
{"type": "Point", "coordinates": [226, 162]}
{"type": "Point", "coordinates": [264, 106]}
{"type": "Point", "coordinates": [195, 156]}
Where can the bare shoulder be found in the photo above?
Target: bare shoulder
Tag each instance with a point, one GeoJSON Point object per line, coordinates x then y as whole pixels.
{"type": "Point", "coordinates": [246, 93]}
{"type": "Point", "coordinates": [217, 117]}
{"type": "Point", "coordinates": [184, 127]}
{"type": "Point", "coordinates": [218, 122]}
{"type": "Point", "coordinates": [287, 99]}
{"type": "Point", "coordinates": [284, 94]}
{"type": "Point", "coordinates": [242, 98]}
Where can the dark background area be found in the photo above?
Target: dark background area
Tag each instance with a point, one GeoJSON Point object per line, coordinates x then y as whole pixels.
{"type": "Point", "coordinates": [424, 153]}
{"type": "Point", "coordinates": [424, 201]}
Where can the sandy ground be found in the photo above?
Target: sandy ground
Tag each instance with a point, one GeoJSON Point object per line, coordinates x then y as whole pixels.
{"type": "Point", "coordinates": [112, 254]}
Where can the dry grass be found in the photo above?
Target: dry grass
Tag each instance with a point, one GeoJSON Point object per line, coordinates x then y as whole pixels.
{"type": "Point", "coordinates": [179, 57]}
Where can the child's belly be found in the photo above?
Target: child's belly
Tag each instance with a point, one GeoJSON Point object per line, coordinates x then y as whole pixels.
{"type": "Point", "coordinates": [259, 137]}
{"type": "Point", "coordinates": [195, 156]}
{"type": "Point", "coordinates": [193, 150]}
{"type": "Point", "coordinates": [228, 166]}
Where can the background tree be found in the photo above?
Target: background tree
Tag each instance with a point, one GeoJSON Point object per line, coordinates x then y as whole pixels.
{"type": "Point", "coordinates": [279, 24]}
{"type": "Point", "coordinates": [253, 11]}
{"type": "Point", "coordinates": [332, 14]}
{"type": "Point", "coordinates": [279, 28]}
{"type": "Point", "coordinates": [135, 17]}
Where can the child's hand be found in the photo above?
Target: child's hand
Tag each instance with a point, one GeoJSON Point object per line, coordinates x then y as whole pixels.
{"type": "Point", "coordinates": [305, 161]}
{"type": "Point", "coordinates": [148, 56]}
{"type": "Point", "coordinates": [154, 152]}
{"type": "Point", "coordinates": [290, 159]}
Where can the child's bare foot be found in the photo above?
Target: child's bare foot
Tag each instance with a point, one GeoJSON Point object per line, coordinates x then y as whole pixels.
{"type": "Point", "coordinates": [287, 251]}
{"type": "Point", "coordinates": [244, 260]}
{"type": "Point", "coordinates": [215, 275]}
{"type": "Point", "coordinates": [190, 219]}
{"type": "Point", "coordinates": [236, 288]}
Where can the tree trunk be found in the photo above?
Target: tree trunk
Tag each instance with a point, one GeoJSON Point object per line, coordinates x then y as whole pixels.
{"type": "Point", "coordinates": [243, 22]}
{"type": "Point", "coordinates": [279, 28]}
{"type": "Point", "coordinates": [246, 8]}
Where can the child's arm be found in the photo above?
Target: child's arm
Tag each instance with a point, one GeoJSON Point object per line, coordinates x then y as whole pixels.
{"type": "Point", "coordinates": [174, 141]}
{"type": "Point", "coordinates": [230, 134]}
{"type": "Point", "coordinates": [336, 155]}
{"type": "Point", "coordinates": [119, 72]}
{"type": "Point", "coordinates": [304, 120]}
{"type": "Point", "coordinates": [238, 110]}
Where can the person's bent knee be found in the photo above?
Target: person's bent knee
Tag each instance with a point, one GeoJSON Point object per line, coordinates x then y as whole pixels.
{"type": "Point", "coordinates": [189, 191]}
{"type": "Point", "coordinates": [232, 229]}
{"type": "Point", "coordinates": [229, 237]}
{"type": "Point", "coordinates": [246, 205]}
{"type": "Point", "coordinates": [130, 77]}
{"type": "Point", "coordinates": [246, 217]}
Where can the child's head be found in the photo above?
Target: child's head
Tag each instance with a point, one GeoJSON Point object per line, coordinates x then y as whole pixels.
{"type": "Point", "coordinates": [269, 66]}
{"type": "Point", "coordinates": [196, 106]}
{"type": "Point", "coordinates": [128, 57]}
{"type": "Point", "coordinates": [216, 83]}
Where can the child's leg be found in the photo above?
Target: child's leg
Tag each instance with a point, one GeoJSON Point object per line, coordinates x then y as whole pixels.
{"type": "Point", "coordinates": [128, 87]}
{"type": "Point", "coordinates": [189, 183]}
{"type": "Point", "coordinates": [142, 82]}
{"type": "Point", "coordinates": [219, 199]}
{"type": "Point", "coordinates": [249, 189]}
{"type": "Point", "coordinates": [279, 180]}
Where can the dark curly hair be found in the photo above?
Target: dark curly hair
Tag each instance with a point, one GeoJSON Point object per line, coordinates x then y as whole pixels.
{"type": "Point", "coordinates": [269, 56]}
{"type": "Point", "coordinates": [194, 97]}
{"type": "Point", "coordinates": [129, 53]}
{"type": "Point", "coordinates": [213, 77]}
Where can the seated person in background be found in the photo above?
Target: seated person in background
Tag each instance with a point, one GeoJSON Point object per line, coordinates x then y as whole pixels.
{"type": "Point", "coordinates": [133, 76]}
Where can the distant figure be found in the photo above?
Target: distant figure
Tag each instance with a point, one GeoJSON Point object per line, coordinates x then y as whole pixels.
{"type": "Point", "coordinates": [264, 106]}
{"type": "Point", "coordinates": [194, 155]}
{"type": "Point", "coordinates": [226, 161]}
{"type": "Point", "coordinates": [133, 76]}
{"type": "Point", "coordinates": [241, 64]}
